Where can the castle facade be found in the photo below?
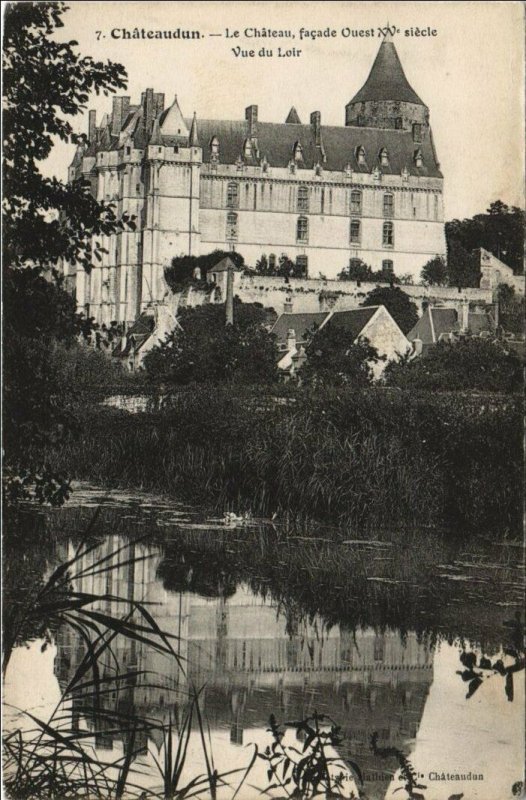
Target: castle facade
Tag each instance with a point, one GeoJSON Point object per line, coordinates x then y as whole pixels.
{"type": "Point", "coordinates": [370, 190]}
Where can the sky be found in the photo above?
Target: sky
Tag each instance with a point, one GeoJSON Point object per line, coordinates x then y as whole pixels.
{"type": "Point", "coordinates": [470, 74]}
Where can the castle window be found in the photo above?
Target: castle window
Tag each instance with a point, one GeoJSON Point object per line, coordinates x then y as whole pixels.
{"type": "Point", "coordinates": [302, 230]}
{"type": "Point", "coordinates": [128, 151]}
{"type": "Point", "coordinates": [214, 146]}
{"type": "Point", "coordinates": [302, 263]}
{"type": "Point", "coordinates": [232, 195]}
{"type": "Point", "coordinates": [417, 132]}
{"type": "Point", "coordinates": [231, 227]}
{"type": "Point", "coordinates": [419, 161]}
{"type": "Point", "coordinates": [354, 232]}
{"type": "Point", "coordinates": [298, 152]}
{"type": "Point", "coordinates": [383, 157]}
{"type": "Point", "coordinates": [388, 234]}
{"type": "Point", "coordinates": [272, 261]}
{"type": "Point", "coordinates": [388, 205]}
{"type": "Point", "coordinates": [356, 202]}
{"type": "Point", "coordinates": [303, 199]}
{"type": "Point", "coordinates": [388, 266]}
{"type": "Point", "coordinates": [360, 155]}
{"type": "Point", "coordinates": [398, 123]}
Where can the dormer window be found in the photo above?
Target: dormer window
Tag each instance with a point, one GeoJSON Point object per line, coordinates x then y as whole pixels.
{"type": "Point", "coordinates": [360, 155]}
{"type": "Point", "coordinates": [383, 157]}
{"type": "Point", "coordinates": [318, 170]}
{"type": "Point", "coordinates": [417, 132]}
{"type": "Point", "coordinates": [418, 158]}
{"type": "Point", "coordinates": [247, 148]}
{"type": "Point", "coordinates": [214, 146]}
{"type": "Point", "coordinates": [298, 152]}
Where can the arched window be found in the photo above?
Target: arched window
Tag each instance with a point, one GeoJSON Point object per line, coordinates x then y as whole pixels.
{"type": "Point", "coordinates": [419, 161]}
{"type": "Point", "coordinates": [298, 152]}
{"type": "Point", "coordinates": [388, 205]}
{"type": "Point", "coordinates": [356, 201]}
{"type": "Point", "coordinates": [303, 199]}
{"type": "Point", "coordinates": [232, 195]}
{"type": "Point", "coordinates": [302, 230]}
{"type": "Point", "coordinates": [214, 146]}
{"type": "Point", "coordinates": [383, 157]}
{"type": "Point", "coordinates": [354, 233]}
{"type": "Point", "coordinates": [360, 155]}
{"type": "Point", "coordinates": [388, 266]}
{"type": "Point", "coordinates": [388, 234]}
{"type": "Point", "coordinates": [231, 226]}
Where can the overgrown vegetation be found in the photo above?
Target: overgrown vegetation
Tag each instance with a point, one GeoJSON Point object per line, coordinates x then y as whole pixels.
{"type": "Point", "coordinates": [282, 267]}
{"type": "Point", "coordinates": [341, 455]}
{"type": "Point", "coordinates": [397, 302]}
{"type": "Point", "coordinates": [186, 270]}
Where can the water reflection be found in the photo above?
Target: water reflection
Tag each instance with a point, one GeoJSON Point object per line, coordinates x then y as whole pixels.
{"type": "Point", "coordinates": [259, 638]}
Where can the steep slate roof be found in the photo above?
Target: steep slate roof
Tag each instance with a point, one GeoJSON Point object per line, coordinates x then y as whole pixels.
{"type": "Point", "coordinates": [300, 324]}
{"type": "Point", "coordinates": [292, 117]}
{"type": "Point", "coordinates": [224, 264]}
{"type": "Point", "coordinates": [353, 320]}
{"type": "Point", "coordinates": [387, 80]}
{"type": "Point", "coordinates": [276, 142]}
{"type": "Point", "coordinates": [436, 321]}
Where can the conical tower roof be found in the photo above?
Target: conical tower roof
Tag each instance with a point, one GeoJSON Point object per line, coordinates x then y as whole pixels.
{"type": "Point", "coordinates": [292, 117]}
{"type": "Point", "coordinates": [193, 139]}
{"type": "Point", "coordinates": [387, 79]}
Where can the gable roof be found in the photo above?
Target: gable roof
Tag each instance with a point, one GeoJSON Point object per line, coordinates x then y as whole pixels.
{"type": "Point", "coordinates": [300, 323]}
{"type": "Point", "coordinates": [353, 320]}
{"type": "Point", "coordinates": [387, 80]}
{"type": "Point", "coordinates": [439, 320]}
{"type": "Point", "coordinates": [224, 264]}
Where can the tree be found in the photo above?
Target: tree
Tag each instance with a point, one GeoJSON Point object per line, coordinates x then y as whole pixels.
{"type": "Point", "coordinates": [463, 267]}
{"type": "Point", "coordinates": [500, 231]}
{"type": "Point", "coordinates": [335, 357]}
{"type": "Point", "coordinates": [435, 273]}
{"type": "Point", "coordinates": [284, 268]}
{"type": "Point", "coordinates": [359, 271]}
{"type": "Point", "coordinates": [46, 220]}
{"type": "Point", "coordinates": [471, 364]}
{"type": "Point", "coordinates": [397, 302]}
{"type": "Point", "coordinates": [511, 309]}
{"type": "Point", "coordinates": [205, 350]}
{"type": "Point", "coordinates": [183, 269]}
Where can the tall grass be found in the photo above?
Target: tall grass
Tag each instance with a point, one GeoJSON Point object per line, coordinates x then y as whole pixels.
{"type": "Point", "coordinates": [376, 456]}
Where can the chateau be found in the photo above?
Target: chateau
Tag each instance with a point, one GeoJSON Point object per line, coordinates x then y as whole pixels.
{"type": "Point", "coordinates": [323, 195]}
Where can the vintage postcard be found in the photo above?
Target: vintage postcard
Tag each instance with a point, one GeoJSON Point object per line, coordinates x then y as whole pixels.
{"type": "Point", "coordinates": [263, 357]}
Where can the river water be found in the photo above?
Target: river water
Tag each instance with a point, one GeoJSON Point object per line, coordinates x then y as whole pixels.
{"type": "Point", "coordinates": [366, 628]}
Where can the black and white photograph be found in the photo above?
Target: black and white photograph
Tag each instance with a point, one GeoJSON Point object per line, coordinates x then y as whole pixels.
{"type": "Point", "coordinates": [263, 349]}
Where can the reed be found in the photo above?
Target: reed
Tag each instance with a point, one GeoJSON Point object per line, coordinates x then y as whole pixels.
{"type": "Point", "coordinates": [339, 456]}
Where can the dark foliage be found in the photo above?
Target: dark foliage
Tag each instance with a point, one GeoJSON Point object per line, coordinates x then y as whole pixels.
{"type": "Point", "coordinates": [203, 349]}
{"type": "Point", "coordinates": [472, 364]}
{"type": "Point", "coordinates": [360, 271]}
{"type": "Point", "coordinates": [463, 266]}
{"type": "Point", "coordinates": [511, 310]}
{"type": "Point", "coordinates": [334, 357]}
{"type": "Point", "coordinates": [284, 267]}
{"type": "Point", "coordinates": [46, 81]}
{"type": "Point", "coordinates": [500, 230]}
{"type": "Point", "coordinates": [435, 272]}
{"type": "Point", "coordinates": [397, 302]}
{"type": "Point", "coordinates": [183, 269]}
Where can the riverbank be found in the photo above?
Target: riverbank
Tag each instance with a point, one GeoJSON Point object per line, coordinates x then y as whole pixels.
{"type": "Point", "coordinates": [369, 457]}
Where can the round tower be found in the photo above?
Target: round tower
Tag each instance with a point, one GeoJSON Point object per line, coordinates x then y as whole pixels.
{"type": "Point", "coordinates": [387, 100]}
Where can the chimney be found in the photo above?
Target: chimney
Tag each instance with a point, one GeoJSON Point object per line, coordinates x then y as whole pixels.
{"type": "Point", "coordinates": [158, 102]}
{"type": "Point", "coordinates": [121, 106]}
{"type": "Point", "coordinates": [315, 123]}
{"type": "Point", "coordinates": [291, 340]}
{"type": "Point", "coordinates": [464, 316]}
{"type": "Point", "coordinates": [251, 116]}
{"type": "Point", "coordinates": [148, 110]}
{"type": "Point", "coordinates": [92, 126]}
{"type": "Point", "coordinates": [230, 295]}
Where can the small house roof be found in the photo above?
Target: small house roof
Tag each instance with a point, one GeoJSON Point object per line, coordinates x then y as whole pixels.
{"type": "Point", "coordinates": [300, 323]}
